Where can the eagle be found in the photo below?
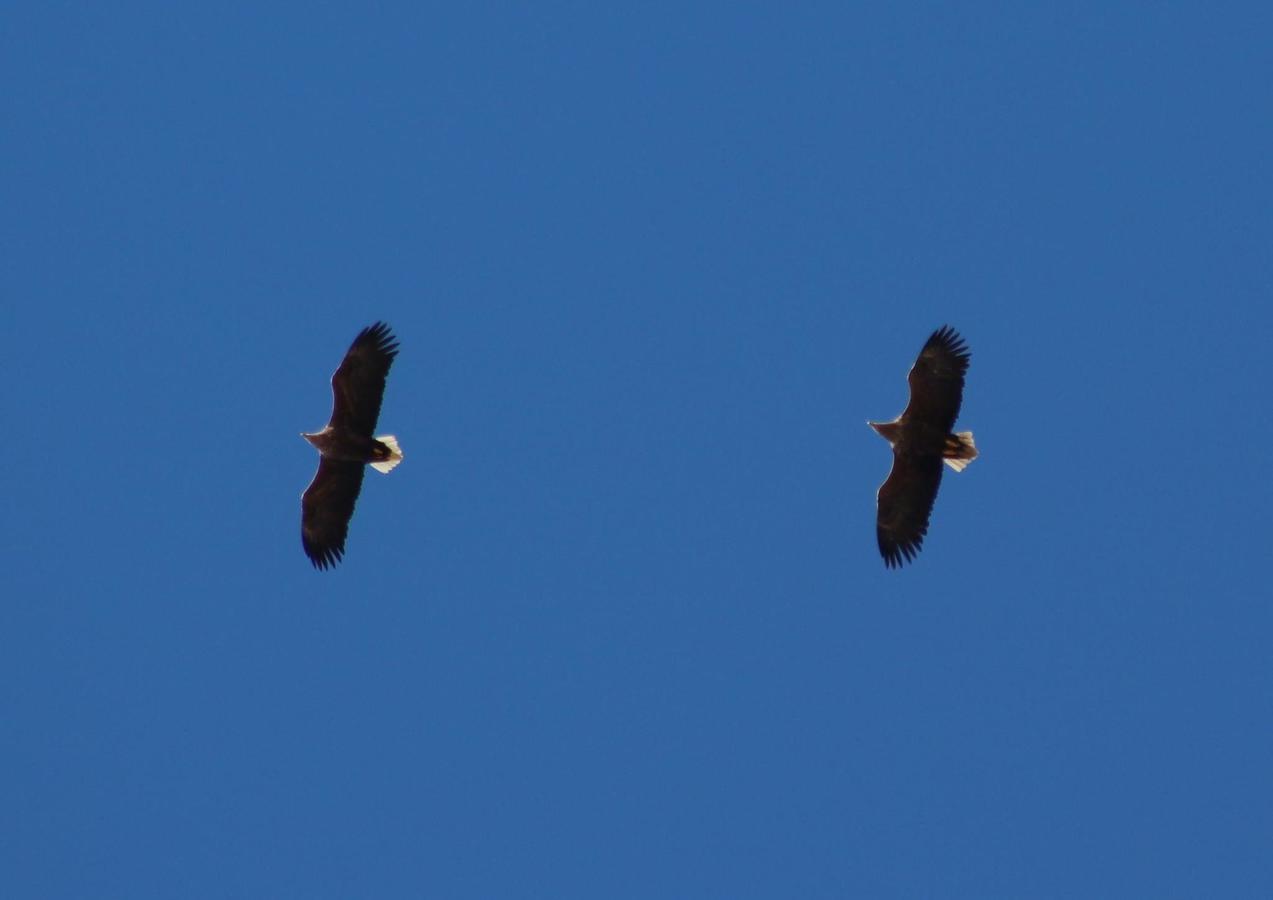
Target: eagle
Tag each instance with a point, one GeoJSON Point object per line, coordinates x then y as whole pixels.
{"type": "Point", "coordinates": [346, 445]}
{"type": "Point", "coordinates": [922, 440]}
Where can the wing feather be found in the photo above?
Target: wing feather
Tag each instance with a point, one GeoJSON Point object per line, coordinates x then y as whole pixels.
{"type": "Point", "coordinates": [326, 508]}
{"type": "Point", "coordinates": [358, 387]}
{"type": "Point", "coordinates": [937, 381]}
{"type": "Point", "coordinates": [904, 503]}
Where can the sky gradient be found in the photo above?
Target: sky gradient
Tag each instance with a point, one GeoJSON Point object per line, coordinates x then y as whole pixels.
{"type": "Point", "coordinates": [618, 627]}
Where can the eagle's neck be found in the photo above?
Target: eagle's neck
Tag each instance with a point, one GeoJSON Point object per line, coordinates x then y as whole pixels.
{"type": "Point", "coordinates": [320, 439]}
{"type": "Point", "coordinates": [887, 430]}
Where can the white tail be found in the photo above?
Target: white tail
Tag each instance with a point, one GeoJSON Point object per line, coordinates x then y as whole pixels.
{"type": "Point", "coordinates": [395, 454]}
{"type": "Point", "coordinates": [959, 451]}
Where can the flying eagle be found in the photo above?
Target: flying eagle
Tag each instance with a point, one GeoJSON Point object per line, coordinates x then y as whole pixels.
{"type": "Point", "coordinates": [346, 445]}
{"type": "Point", "coordinates": [922, 440]}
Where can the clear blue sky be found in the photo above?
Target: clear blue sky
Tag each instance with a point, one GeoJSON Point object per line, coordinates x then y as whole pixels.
{"type": "Point", "coordinates": [618, 627]}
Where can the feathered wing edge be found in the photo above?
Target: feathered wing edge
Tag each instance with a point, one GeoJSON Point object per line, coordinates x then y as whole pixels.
{"type": "Point", "coordinates": [936, 380]}
{"type": "Point", "coordinates": [904, 505]}
{"type": "Point", "coordinates": [326, 508]}
{"type": "Point", "coordinates": [358, 384]}
{"type": "Point", "coordinates": [949, 340]}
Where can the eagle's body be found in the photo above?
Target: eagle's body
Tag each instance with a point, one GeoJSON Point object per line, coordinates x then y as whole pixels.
{"type": "Point", "coordinates": [346, 445]}
{"type": "Point", "coordinates": [922, 441]}
{"type": "Point", "coordinates": [333, 443]}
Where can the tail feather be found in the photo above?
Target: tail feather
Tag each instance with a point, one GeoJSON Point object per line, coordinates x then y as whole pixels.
{"type": "Point", "coordinates": [959, 450]}
{"type": "Point", "coordinates": [395, 454]}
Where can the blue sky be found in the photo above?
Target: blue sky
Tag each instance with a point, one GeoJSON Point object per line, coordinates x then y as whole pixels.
{"type": "Point", "coordinates": [618, 626]}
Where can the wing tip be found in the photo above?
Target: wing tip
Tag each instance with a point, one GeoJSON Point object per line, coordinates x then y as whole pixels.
{"type": "Point", "coordinates": [950, 340]}
{"type": "Point", "coordinates": [381, 336]}
{"type": "Point", "coordinates": [897, 555]}
{"type": "Point", "coordinates": [324, 558]}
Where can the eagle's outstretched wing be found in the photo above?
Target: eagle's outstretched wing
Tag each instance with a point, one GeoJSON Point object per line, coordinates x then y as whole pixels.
{"type": "Point", "coordinates": [937, 381]}
{"type": "Point", "coordinates": [326, 507]}
{"type": "Point", "coordinates": [904, 503]}
{"type": "Point", "coordinates": [359, 384]}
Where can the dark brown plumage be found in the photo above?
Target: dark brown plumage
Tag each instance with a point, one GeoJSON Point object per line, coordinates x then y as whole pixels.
{"type": "Point", "coordinates": [922, 440]}
{"type": "Point", "coordinates": [346, 445]}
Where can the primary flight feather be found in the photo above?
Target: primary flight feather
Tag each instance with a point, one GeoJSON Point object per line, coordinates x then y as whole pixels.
{"type": "Point", "coordinates": [346, 445]}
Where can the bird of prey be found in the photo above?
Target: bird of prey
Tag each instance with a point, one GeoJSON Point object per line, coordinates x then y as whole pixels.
{"type": "Point", "coordinates": [346, 445]}
{"type": "Point", "coordinates": [922, 440]}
